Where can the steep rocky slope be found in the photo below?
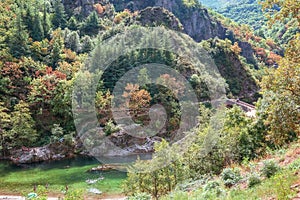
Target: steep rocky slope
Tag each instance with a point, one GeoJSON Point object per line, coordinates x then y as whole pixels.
{"type": "Point", "coordinates": [196, 21]}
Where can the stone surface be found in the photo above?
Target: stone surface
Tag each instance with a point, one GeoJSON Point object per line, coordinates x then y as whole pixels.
{"type": "Point", "coordinates": [38, 154]}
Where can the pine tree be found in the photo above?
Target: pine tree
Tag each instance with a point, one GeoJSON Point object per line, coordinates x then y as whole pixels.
{"type": "Point", "coordinates": [19, 38]}
{"type": "Point", "coordinates": [73, 24]}
{"type": "Point", "coordinates": [28, 18]}
{"type": "Point", "coordinates": [91, 25]}
{"type": "Point", "coordinates": [57, 48]}
{"type": "Point", "coordinates": [37, 32]}
{"type": "Point", "coordinates": [59, 17]}
{"type": "Point", "coordinates": [86, 44]}
{"type": "Point", "coordinates": [46, 22]}
{"type": "Point", "coordinates": [73, 41]}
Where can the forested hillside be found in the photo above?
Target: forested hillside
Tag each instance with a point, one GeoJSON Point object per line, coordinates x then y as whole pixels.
{"type": "Point", "coordinates": [50, 51]}
{"type": "Point", "coordinates": [250, 12]}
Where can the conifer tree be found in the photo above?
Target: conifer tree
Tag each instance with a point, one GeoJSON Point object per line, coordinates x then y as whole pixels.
{"type": "Point", "coordinates": [73, 41]}
{"type": "Point", "coordinates": [73, 24]}
{"type": "Point", "coordinates": [46, 22]}
{"type": "Point", "coordinates": [19, 38]}
{"type": "Point", "coordinates": [86, 44]}
{"type": "Point", "coordinates": [57, 48]}
{"type": "Point", "coordinates": [37, 32]}
{"type": "Point", "coordinates": [91, 25]}
{"type": "Point", "coordinates": [59, 17]}
{"type": "Point", "coordinates": [28, 18]}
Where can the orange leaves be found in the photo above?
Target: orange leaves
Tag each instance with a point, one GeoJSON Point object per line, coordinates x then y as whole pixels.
{"type": "Point", "coordinates": [271, 43]}
{"type": "Point", "coordinates": [137, 99]}
{"type": "Point", "coordinates": [99, 8]}
{"type": "Point", "coordinates": [236, 49]}
{"type": "Point", "coordinates": [177, 87]}
{"type": "Point", "coordinates": [261, 52]}
{"type": "Point", "coordinates": [70, 55]}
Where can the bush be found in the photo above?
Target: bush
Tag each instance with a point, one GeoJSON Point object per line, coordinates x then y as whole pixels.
{"type": "Point", "coordinates": [74, 195]}
{"type": "Point", "coordinates": [212, 190]}
{"type": "Point", "coordinates": [140, 196]}
{"type": "Point", "coordinates": [253, 180]}
{"type": "Point", "coordinates": [110, 128]}
{"type": "Point", "coordinates": [230, 176]}
{"type": "Point", "coordinates": [178, 195]}
{"type": "Point", "coordinates": [294, 165]}
{"type": "Point", "coordinates": [270, 168]}
{"type": "Point", "coordinates": [282, 185]}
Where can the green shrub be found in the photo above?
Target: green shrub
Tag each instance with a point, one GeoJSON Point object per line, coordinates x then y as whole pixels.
{"type": "Point", "coordinates": [230, 176]}
{"type": "Point", "coordinates": [270, 168]}
{"type": "Point", "coordinates": [110, 128]}
{"type": "Point", "coordinates": [282, 183]}
{"type": "Point", "coordinates": [41, 192]}
{"type": "Point", "coordinates": [74, 195]}
{"type": "Point", "coordinates": [294, 165]}
{"type": "Point", "coordinates": [212, 190]}
{"type": "Point", "coordinates": [253, 180]}
{"type": "Point", "coordinates": [140, 196]}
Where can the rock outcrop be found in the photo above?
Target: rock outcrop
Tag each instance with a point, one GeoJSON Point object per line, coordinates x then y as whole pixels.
{"type": "Point", "coordinates": [85, 7]}
{"type": "Point", "coordinates": [40, 154]}
{"type": "Point", "coordinates": [155, 16]}
{"type": "Point", "coordinates": [196, 21]}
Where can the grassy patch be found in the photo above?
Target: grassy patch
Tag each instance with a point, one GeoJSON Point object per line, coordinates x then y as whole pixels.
{"type": "Point", "coordinates": [276, 187]}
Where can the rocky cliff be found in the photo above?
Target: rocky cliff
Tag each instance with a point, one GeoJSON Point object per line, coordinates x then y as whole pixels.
{"type": "Point", "coordinates": [195, 20]}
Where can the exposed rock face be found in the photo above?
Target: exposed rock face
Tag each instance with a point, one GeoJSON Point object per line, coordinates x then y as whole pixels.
{"type": "Point", "coordinates": [247, 52]}
{"type": "Point", "coordinates": [155, 16]}
{"type": "Point", "coordinates": [133, 145]}
{"type": "Point", "coordinates": [85, 7]}
{"type": "Point", "coordinates": [196, 21]}
{"type": "Point", "coordinates": [39, 154]}
{"type": "Point", "coordinates": [239, 80]}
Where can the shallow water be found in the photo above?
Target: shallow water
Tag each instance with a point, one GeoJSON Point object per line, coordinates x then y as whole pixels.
{"type": "Point", "coordinates": [57, 174]}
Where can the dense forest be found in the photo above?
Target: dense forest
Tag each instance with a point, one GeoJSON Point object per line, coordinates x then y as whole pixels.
{"type": "Point", "coordinates": [48, 51]}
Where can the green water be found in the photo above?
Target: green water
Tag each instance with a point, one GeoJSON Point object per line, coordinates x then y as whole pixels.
{"type": "Point", "coordinates": [58, 174]}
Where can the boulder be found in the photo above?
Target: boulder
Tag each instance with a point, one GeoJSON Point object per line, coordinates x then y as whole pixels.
{"type": "Point", "coordinates": [39, 154]}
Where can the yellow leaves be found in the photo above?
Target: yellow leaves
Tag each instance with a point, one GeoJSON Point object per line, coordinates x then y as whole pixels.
{"type": "Point", "coordinates": [236, 49]}
{"type": "Point", "coordinates": [281, 89]}
{"type": "Point", "coordinates": [288, 9]}
{"type": "Point", "coordinates": [137, 99]}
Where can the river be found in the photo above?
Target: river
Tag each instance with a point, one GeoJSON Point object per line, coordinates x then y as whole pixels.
{"type": "Point", "coordinates": [57, 174]}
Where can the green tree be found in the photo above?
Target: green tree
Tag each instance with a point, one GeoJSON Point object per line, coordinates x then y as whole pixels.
{"type": "Point", "coordinates": [19, 38]}
{"type": "Point", "coordinates": [143, 78]}
{"type": "Point", "coordinates": [91, 25]}
{"type": "Point", "coordinates": [23, 126]}
{"type": "Point", "coordinates": [279, 10]}
{"type": "Point", "coordinates": [37, 32]}
{"type": "Point", "coordinates": [235, 137]}
{"type": "Point", "coordinates": [73, 41]}
{"type": "Point", "coordinates": [28, 18]}
{"type": "Point", "coordinates": [57, 48]}
{"type": "Point", "coordinates": [281, 91]}
{"type": "Point", "coordinates": [156, 182]}
{"type": "Point", "coordinates": [73, 24]}
{"type": "Point", "coordinates": [86, 44]}
{"type": "Point", "coordinates": [281, 87]}
{"type": "Point", "coordinates": [46, 22]}
{"type": "Point", "coordinates": [59, 16]}
{"type": "Point", "coordinates": [5, 125]}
